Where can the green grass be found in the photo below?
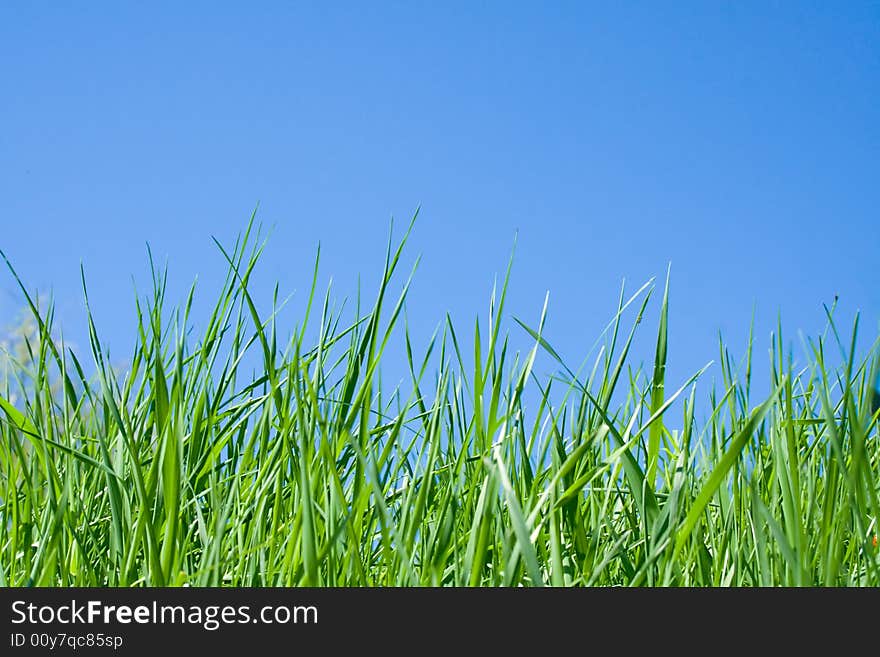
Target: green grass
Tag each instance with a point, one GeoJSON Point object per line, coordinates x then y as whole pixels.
{"type": "Point", "coordinates": [186, 469]}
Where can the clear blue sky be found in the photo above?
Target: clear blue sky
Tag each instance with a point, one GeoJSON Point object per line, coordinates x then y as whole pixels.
{"type": "Point", "coordinates": [738, 141]}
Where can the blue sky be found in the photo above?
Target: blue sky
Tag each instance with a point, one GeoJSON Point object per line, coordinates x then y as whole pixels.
{"type": "Point", "coordinates": [738, 141]}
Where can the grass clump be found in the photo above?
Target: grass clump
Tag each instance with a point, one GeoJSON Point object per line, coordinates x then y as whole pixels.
{"type": "Point", "coordinates": [184, 469]}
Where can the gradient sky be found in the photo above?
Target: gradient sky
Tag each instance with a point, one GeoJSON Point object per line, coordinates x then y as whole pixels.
{"type": "Point", "coordinates": [738, 141]}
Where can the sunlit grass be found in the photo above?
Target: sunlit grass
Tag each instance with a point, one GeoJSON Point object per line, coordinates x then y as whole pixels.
{"type": "Point", "coordinates": [186, 469]}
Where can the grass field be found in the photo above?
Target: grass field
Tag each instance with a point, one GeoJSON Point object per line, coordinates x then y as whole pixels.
{"type": "Point", "coordinates": [186, 469]}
